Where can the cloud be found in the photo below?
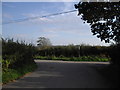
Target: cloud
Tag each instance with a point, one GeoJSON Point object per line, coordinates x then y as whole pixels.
{"type": "Point", "coordinates": [51, 19]}
{"type": "Point", "coordinates": [6, 15]}
{"type": "Point", "coordinates": [50, 35]}
{"type": "Point", "coordinates": [67, 6]}
{"type": "Point", "coordinates": [60, 29]}
{"type": "Point", "coordinates": [24, 37]}
{"type": "Point", "coordinates": [37, 18]}
{"type": "Point", "coordinates": [69, 23]}
{"type": "Point", "coordinates": [68, 30]}
{"type": "Point", "coordinates": [20, 36]}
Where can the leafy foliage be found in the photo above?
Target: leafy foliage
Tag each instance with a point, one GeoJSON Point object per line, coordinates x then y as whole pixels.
{"type": "Point", "coordinates": [17, 59]}
{"type": "Point", "coordinates": [16, 54]}
{"type": "Point", "coordinates": [43, 42]}
{"type": "Point", "coordinates": [104, 18]}
{"type": "Point", "coordinates": [114, 53]}
{"type": "Point", "coordinates": [74, 51]}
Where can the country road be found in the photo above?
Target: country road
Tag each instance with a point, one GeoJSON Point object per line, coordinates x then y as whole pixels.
{"type": "Point", "coordinates": [62, 74]}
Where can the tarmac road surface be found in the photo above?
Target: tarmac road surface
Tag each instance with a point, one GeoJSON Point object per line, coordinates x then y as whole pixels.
{"type": "Point", "coordinates": [62, 74]}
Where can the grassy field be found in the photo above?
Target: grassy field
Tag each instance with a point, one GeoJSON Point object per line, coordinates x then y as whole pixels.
{"type": "Point", "coordinates": [82, 58]}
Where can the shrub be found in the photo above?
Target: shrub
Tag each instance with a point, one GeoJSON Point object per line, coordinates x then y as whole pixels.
{"type": "Point", "coordinates": [16, 54]}
{"type": "Point", "coordinates": [17, 59]}
{"type": "Point", "coordinates": [73, 51]}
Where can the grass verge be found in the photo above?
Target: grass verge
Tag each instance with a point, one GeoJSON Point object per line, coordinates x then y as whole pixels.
{"type": "Point", "coordinates": [13, 74]}
{"type": "Point", "coordinates": [82, 58]}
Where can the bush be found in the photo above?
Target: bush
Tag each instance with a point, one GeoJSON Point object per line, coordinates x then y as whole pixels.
{"type": "Point", "coordinates": [16, 54]}
{"type": "Point", "coordinates": [17, 59]}
{"type": "Point", "coordinates": [73, 51]}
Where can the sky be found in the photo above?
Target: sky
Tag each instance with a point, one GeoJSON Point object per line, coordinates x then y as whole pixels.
{"type": "Point", "coordinates": [62, 29]}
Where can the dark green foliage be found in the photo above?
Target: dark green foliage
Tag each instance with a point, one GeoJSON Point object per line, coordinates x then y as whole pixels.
{"type": "Point", "coordinates": [16, 54]}
{"type": "Point", "coordinates": [104, 18]}
{"type": "Point", "coordinates": [74, 51]}
{"type": "Point", "coordinates": [17, 59]}
{"type": "Point", "coordinates": [114, 53]}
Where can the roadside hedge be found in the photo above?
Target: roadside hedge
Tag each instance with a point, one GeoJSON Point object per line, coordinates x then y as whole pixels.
{"type": "Point", "coordinates": [17, 59]}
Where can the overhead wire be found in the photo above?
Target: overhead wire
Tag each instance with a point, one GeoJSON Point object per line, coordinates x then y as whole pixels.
{"type": "Point", "coordinates": [30, 18]}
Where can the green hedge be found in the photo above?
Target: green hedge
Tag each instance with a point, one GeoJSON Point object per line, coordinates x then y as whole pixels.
{"type": "Point", "coordinates": [73, 51]}
{"type": "Point", "coordinates": [82, 58]}
{"type": "Point", "coordinates": [17, 59]}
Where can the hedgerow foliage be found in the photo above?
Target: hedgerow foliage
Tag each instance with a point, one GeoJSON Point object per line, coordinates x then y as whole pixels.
{"type": "Point", "coordinates": [74, 51]}
{"type": "Point", "coordinates": [16, 54]}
